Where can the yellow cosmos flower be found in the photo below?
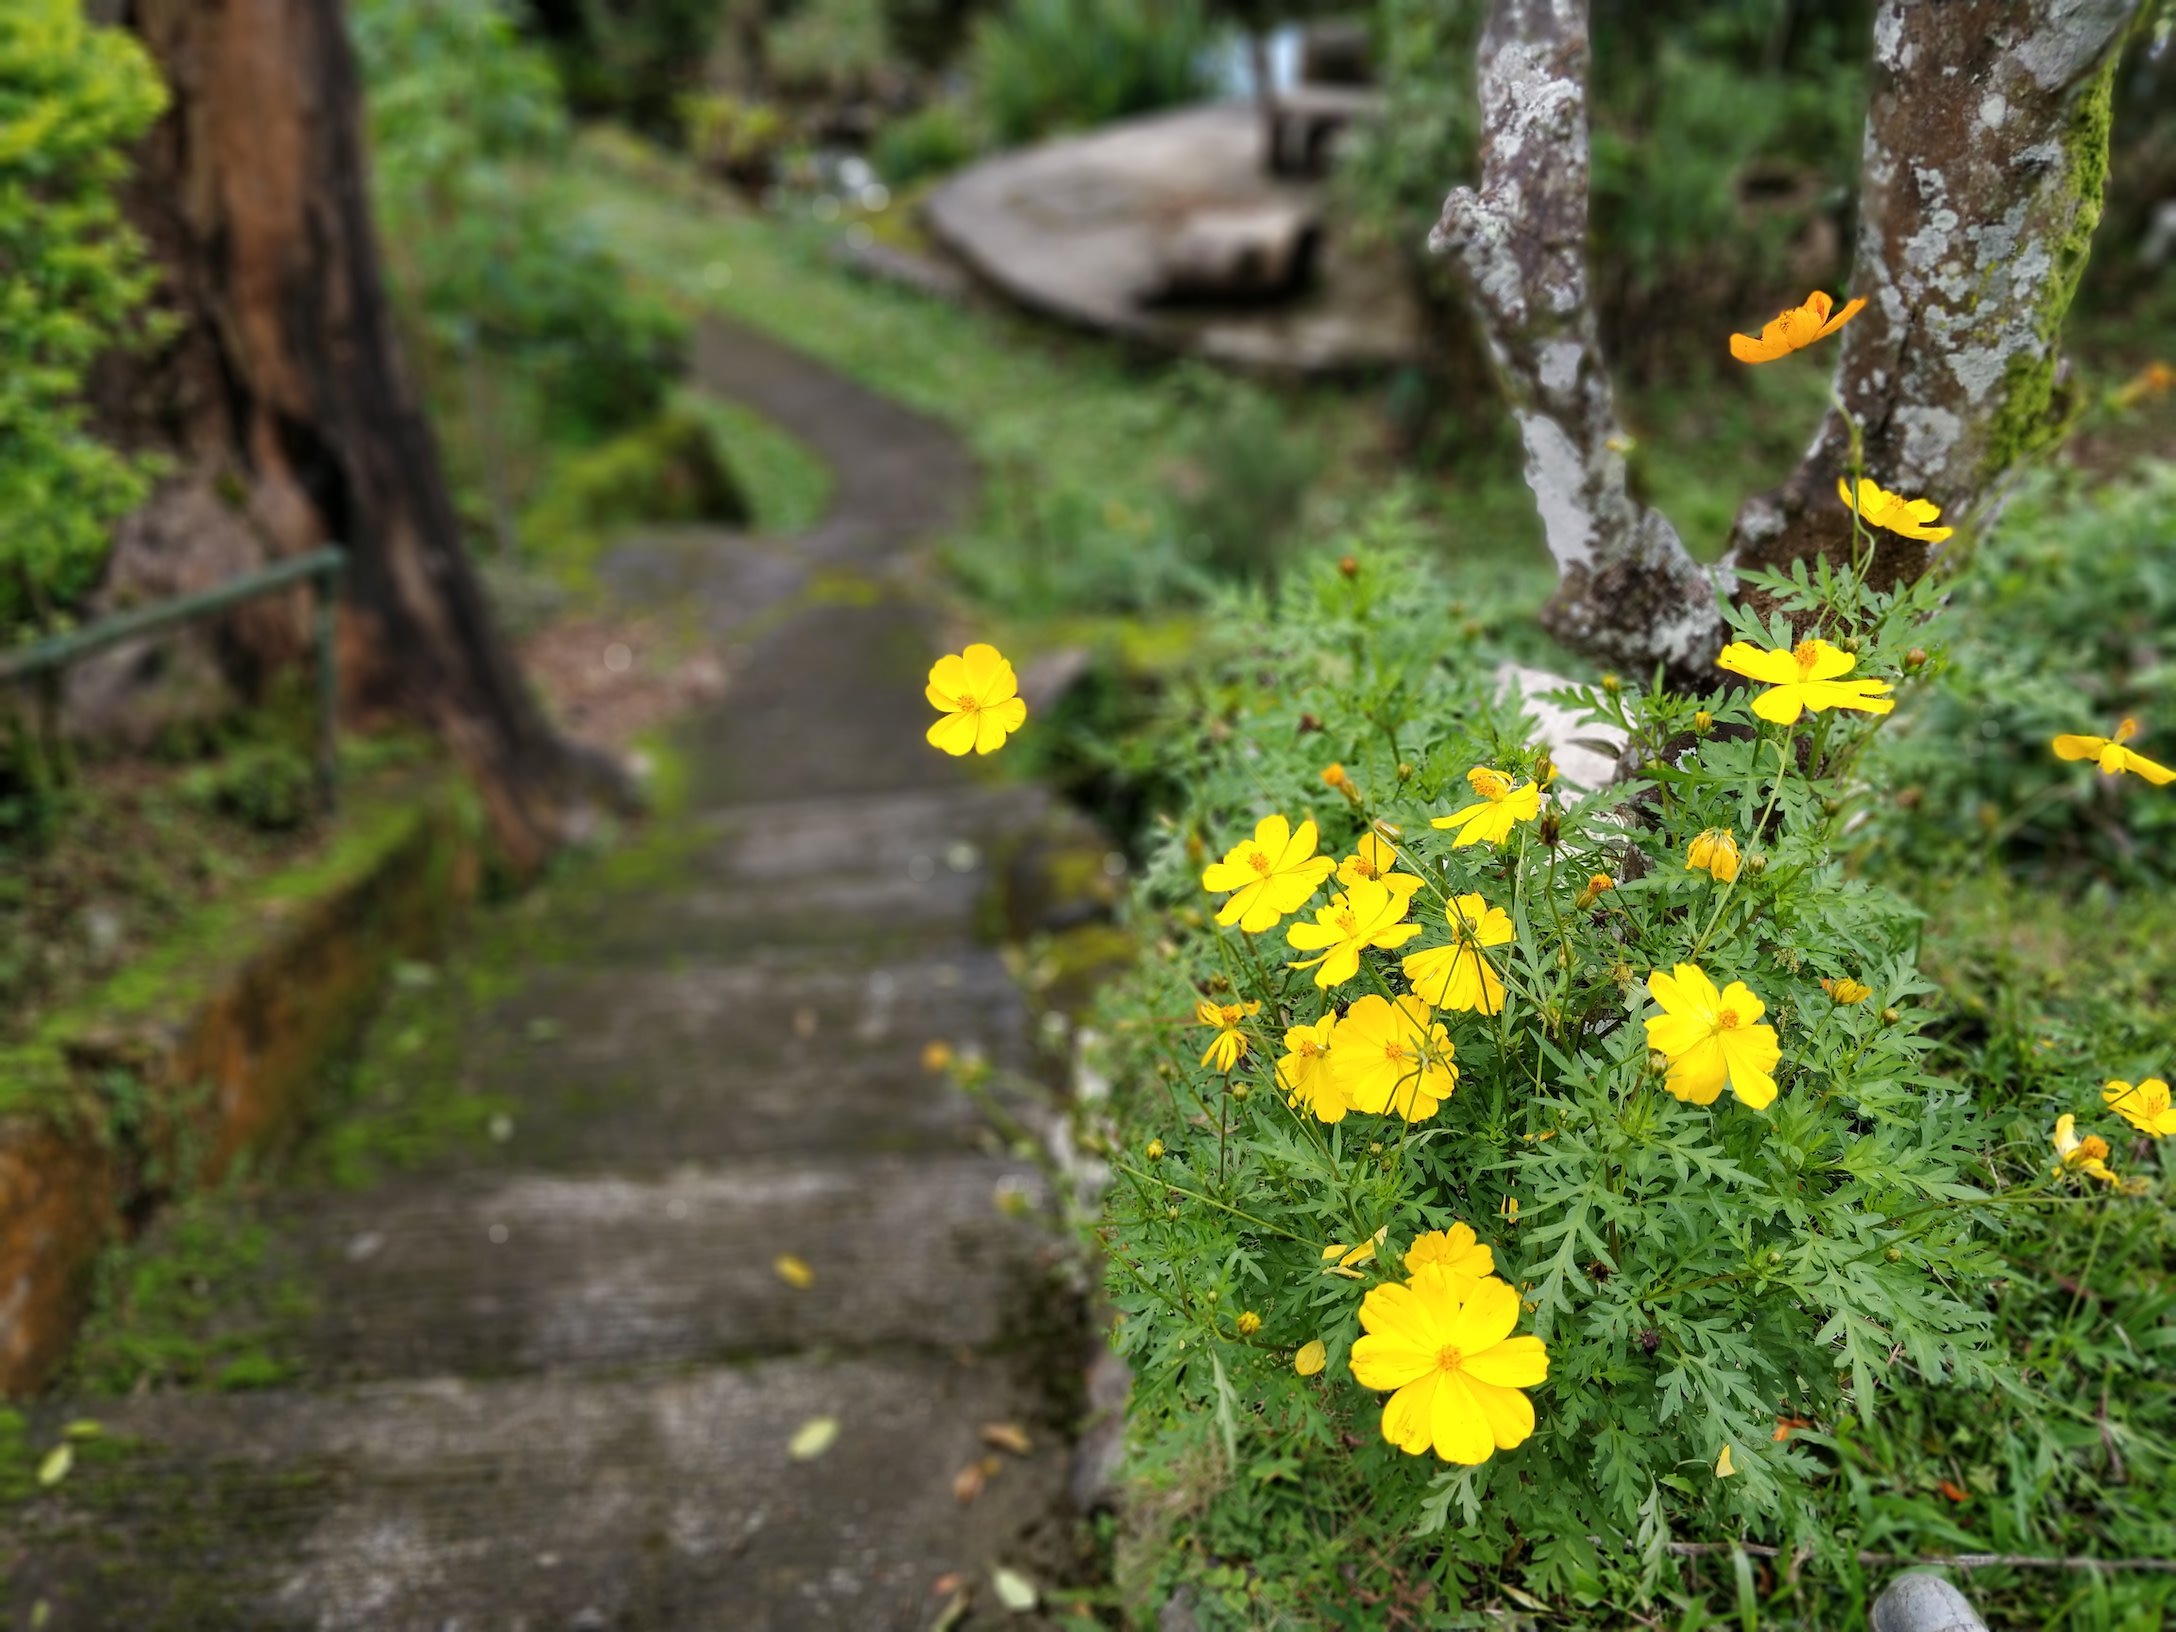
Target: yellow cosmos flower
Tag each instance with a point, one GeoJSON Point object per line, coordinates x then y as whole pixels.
{"type": "Point", "coordinates": [1454, 1364]}
{"type": "Point", "coordinates": [1847, 990]}
{"type": "Point", "coordinates": [1372, 859]}
{"type": "Point", "coordinates": [1457, 1251]}
{"type": "Point", "coordinates": [1892, 512]}
{"type": "Point", "coordinates": [1793, 330]}
{"type": "Point", "coordinates": [1271, 874]}
{"type": "Point", "coordinates": [1305, 1075]}
{"type": "Point", "coordinates": [2146, 1107]}
{"type": "Point", "coordinates": [2112, 757]}
{"type": "Point", "coordinates": [1460, 976]}
{"type": "Point", "coordinates": [1339, 1259]}
{"type": "Point", "coordinates": [2087, 1155]}
{"type": "Point", "coordinates": [1805, 678]}
{"type": "Point", "coordinates": [1501, 804]}
{"type": "Point", "coordinates": [1713, 850]}
{"type": "Point", "coordinates": [1366, 914]}
{"type": "Point", "coordinates": [1230, 1042]}
{"type": "Point", "coordinates": [1394, 1057]}
{"type": "Point", "coordinates": [1723, 1467]}
{"type": "Point", "coordinates": [976, 693]}
{"type": "Point", "coordinates": [1596, 887]}
{"type": "Point", "coordinates": [1710, 1038]}
{"type": "Point", "coordinates": [1311, 1358]}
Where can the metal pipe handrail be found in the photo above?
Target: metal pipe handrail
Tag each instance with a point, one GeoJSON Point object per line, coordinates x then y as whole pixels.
{"type": "Point", "coordinates": [58, 651]}
{"type": "Point", "coordinates": [321, 567]}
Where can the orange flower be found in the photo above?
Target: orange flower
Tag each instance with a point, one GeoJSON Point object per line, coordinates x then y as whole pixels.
{"type": "Point", "coordinates": [1796, 328]}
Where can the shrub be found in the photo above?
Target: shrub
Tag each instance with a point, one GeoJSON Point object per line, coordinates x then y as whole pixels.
{"type": "Point", "coordinates": [668, 470]}
{"type": "Point", "coordinates": [930, 141]}
{"type": "Point", "coordinates": [271, 787]}
{"type": "Point", "coordinates": [73, 98]}
{"type": "Point", "coordinates": [1793, 1281]}
{"type": "Point", "coordinates": [2066, 622]}
{"type": "Point", "coordinates": [1041, 66]}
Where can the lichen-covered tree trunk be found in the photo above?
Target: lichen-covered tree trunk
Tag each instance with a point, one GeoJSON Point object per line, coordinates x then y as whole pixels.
{"type": "Point", "coordinates": [1628, 593]}
{"type": "Point", "coordinates": [1979, 188]}
{"type": "Point", "coordinates": [1986, 145]}
{"type": "Point", "coordinates": [282, 383]}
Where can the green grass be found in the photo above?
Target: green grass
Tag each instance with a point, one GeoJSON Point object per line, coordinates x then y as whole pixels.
{"type": "Point", "coordinates": [787, 486]}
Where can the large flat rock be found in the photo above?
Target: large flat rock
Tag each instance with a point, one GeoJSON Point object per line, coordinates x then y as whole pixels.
{"type": "Point", "coordinates": [544, 1505]}
{"type": "Point", "coordinates": [1074, 228]}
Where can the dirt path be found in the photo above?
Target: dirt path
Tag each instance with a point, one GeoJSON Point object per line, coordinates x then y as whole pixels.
{"type": "Point", "coordinates": [552, 1384]}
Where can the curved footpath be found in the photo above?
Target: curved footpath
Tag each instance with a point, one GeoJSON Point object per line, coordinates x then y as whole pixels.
{"type": "Point", "coordinates": [553, 1383]}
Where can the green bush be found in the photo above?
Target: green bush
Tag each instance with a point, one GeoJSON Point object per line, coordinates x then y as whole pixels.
{"type": "Point", "coordinates": [502, 287]}
{"type": "Point", "coordinates": [2065, 623]}
{"type": "Point", "coordinates": [271, 787]}
{"type": "Point", "coordinates": [668, 470]}
{"type": "Point", "coordinates": [1041, 66]}
{"type": "Point", "coordinates": [73, 281]}
{"type": "Point", "coordinates": [930, 141]}
{"type": "Point", "coordinates": [1845, 1286]}
{"type": "Point", "coordinates": [829, 48]}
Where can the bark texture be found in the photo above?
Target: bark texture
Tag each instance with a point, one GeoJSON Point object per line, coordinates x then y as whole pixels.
{"type": "Point", "coordinates": [1985, 151]}
{"type": "Point", "coordinates": [282, 382]}
{"type": "Point", "coordinates": [1980, 185]}
{"type": "Point", "coordinates": [1629, 594]}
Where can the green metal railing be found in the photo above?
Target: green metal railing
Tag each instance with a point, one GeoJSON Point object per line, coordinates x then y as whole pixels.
{"type": "Point", "coordinates": [45, 660]}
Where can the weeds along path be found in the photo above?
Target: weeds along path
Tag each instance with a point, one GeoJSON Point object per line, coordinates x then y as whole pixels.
{"type": "Point", "coordinates": [554, 1383]}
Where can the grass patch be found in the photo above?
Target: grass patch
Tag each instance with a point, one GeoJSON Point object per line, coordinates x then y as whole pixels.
{"type": "Point", "coordinates": [788, 488]}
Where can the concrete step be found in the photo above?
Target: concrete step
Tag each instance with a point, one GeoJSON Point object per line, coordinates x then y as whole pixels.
{"type": "Point", "coordinates": [710, 1062]}
{"type": "Point", "coordinates": [634, 1503]}
{"type": "Point", "coordinates": [483, 1276]}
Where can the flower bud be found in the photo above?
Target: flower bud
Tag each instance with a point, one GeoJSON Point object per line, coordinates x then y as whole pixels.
{"type": "Point", "coordinates": [1155, 1150]}
{"type": "Point", "coordinates": [1657, 1062]}
{"type": "Point", "coordinates": [1349, 566]}
{"type": "Point", "coordinates": [1240, 1090]}
{"type": "Point", "coordinates": [1611, 684]}
{"type": "Point", "coordinates": [1756, 864]}
{"type": "Point", "coordinates": [1848, 643]}
{"type": "Point", "coordinates": [1915, 659]}
{"type": "Point", "coordinates": [1597, 887]}
{"type": "Point", "coordinates": [1308, 723]}
{"type": "Point", "coordinates": [1702, 721]}
{"type": "Point", "coordinates": [1890, 1017]}
{"type": "Point", "coordinates": [1220, 983]}
{"type": "Point", "coordinates": [1550, 829]}
{"type": "Point", "coordinates": [1209, 1296]}
{"type": "Point", "coordinates": [1774, 1258]}
{"type": "Point", "coordinates": [1650, 1340]}
{"type": "Point", "coordinates": [1405, 771]}
{"type": "Point", "coordinates": [1248, 1323]}
{"type": "Point", "coordinates": [1895, 1255]}
{"type": "Point", "coordinates": [1171, 1210]}
{"type": "Point", "coordinates": [1621, 973]}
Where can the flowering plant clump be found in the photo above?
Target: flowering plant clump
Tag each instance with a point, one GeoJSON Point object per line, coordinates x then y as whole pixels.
{"type": "Point", "coordinates": [1535, 1293]}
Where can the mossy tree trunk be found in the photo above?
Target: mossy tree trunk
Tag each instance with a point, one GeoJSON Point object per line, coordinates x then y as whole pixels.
{"type": "Point", "coordinates": [283, 384]}
{"type": "Point", "coordinates": [1986, 146]}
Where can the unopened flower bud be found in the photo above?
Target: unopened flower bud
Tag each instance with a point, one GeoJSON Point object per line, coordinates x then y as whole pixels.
{"type": "Point", "coordinates": [1239, 1090]}
{"type": "Point", "coordinates": [1915, 659]}
{"type": "Point", "coordinates": [1895, 1255]}
{"type": "Point", "coordinates": [1848, 643]}
{"type": "Point", "coordinates": [1756, 864]}
{"type": "Point", "coordinates": [1890, 1017]}
{"type": "Point", "coordinates": [1650, 1340]}
{"type": "Point", "coordinates": [1375, 1147]}
{"type": "Point", "coordinates": [1550, 829]}
{"type": "Point", "coordinates": [1702, 721]}
{"type": "Point", "coordinates": [1621, 973]}
{"type": "Point", "coordinates": [1171, 1210]}
{"type": "Point", "coordinates": [1248, 1323]}
{"type": "Point", "coordinates": [1209, 1296]}
{"type": "Point", "coordinates": [1774, 1258]}
{"type": "Point", "coordinates": [1611, 684]}
{"type": "Point", "coordinates": [1657, 1062]}
{"type": "Point", "coordinates": [1308, 723]}
{"type": "Point", "coordinates": [1349, 566]}
{"type": "Point", "coordinates": [1405, 771]}
{"type": "Point", "coordinates": [1155, 1150]}
{"type": "Point", "coordinates": [1220, 983]}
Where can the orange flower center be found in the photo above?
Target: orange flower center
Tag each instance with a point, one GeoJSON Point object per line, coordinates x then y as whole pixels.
{"type": "Point", "coordinates": [1397, 1053]}
{"type": "Point", "coordinates": [1259, 861]}
{"type": "Point", "coordinates": [1448, 1359]}
{"type": "Point", "coordinates": [1364, 867]}
{"type": "Point", "coordinates": [1727, 1020]}
{"type": "Point", "coordinates": [1808, 653]}
{"type": "Point", "coordinates": [2092, 1148]}
{"type": "Point", "coordinates": [1308, 1051]}
{"type": "Point", "coordinates": [1348, 923]}
{"type": "Point", "coordinates": [969, 703]}
{"type": "Point", "coordinates": [1490, 785]}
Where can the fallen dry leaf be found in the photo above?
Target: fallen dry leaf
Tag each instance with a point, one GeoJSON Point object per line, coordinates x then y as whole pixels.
{"type": "Point", "coordinates": [1014, 1590]}
{"type": "Point", "coordinates": [794, 1271]}
{"type": "Point", "coordinates": [968, 1482]}
{"type": "Point", "coordinates": [949, 1582]}
{"type": "Point", "coordinates": [813, 1438]}
{"type": "Point", "coordinates": [1006, 1436]}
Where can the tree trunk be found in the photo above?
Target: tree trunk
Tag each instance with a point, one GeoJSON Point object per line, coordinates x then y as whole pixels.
{"type": "Point", "coordinates": [1979, 188]}
{"type": "Point", "coordinates": [282, 381]}
{"type": "Point", "coordinates": [1986, 146]}
{"type": "Point", "coordinates": [1628, 594]}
